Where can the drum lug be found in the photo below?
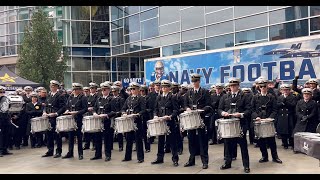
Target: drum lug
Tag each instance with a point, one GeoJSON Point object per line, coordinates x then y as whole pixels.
{"type": "Point", "coordinates": [168, 130]}
{"type": "Point", "coordinates": [181, 128]}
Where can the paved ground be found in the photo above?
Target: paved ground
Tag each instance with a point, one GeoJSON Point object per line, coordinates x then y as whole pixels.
{"type": "Point", "coordinates": [29, 161]}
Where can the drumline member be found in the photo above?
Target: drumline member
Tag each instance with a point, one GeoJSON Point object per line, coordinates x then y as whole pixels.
{"type": "Point", "coordinates": [237, 104]}
{"type": "Point", "coordinates": [92, 98]}
{"type": "Point", "coordinates": [157, 88]}
{"type": "Point", "coordinates": [264, 105]}
{"type": "Point", "coordinates": [175, 88]}
{"type": "Point", "coordinates": [198, 98]}
{"type": "Point", "coordinates": [101, 108]}
{"type": "Point", "coordinates": [23, 121]}
{"type": "Point", "coordinates": [55, 106]}
{"type": "Point", "coordinates": [86, 91]}
{"type": "Point", "coordinates": [145, 117]}
{"type": "Point", "coordinates": [117, 103]}
{"type": "Point", "coordinates": [134, 104]}
{"type": "Point", "coordinates": [152, 101]}
{"type": "Point", "coordinates": [286, 115]}
{"type": "Point", "coordinates": [166, 106]}
{"type": "Point", "coordinates": [251, 127]}
{"type": "Point", "coordinates": [181, 98]}
{"type": "Point", "coordinates": [306, 113]}
{"type": "Point", "coordinates": [42, 100]}
{"type": "Point", "coordinates": [4, 122]}
{"type": "Point", "coordinates": [34, 109]}
{"type": "Point", "coordinates": [77, 105]}
{"type": "Point", "coordinates": [123, 93]}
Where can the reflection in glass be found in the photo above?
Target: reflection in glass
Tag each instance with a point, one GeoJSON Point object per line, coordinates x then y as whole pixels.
{"type": "Point", "coordinates": [315, 24]}
{"type": "Point", "coordinates": [169, 14]}
{"type": "Point", "coordinates": [116, 24]}
{"type": "Point", "coordinates": [220, 28]}
{"type": "Point", "coordinates": [81, 63]}
{"type": "Point", "coordinates": [122, 75]}
{"type": "Point", "coordinates": [219, 16]}
{"type": "Point", "coordinates": [214, 8]}
{"type": "Point", "coordinates": [131, 10]}
{"type": "Point", "coordinates": [116, 12]}
{"type": "Point", "coordinates": [81, 77]}
{"type": "Point", "coordinates": [252, 35]}
{"type": "Point", "coordinates": [2, 51]}
{"type": "Point", "coordinates": [145, 7]}
{"type": "Point", "coordinates": [193, 45]}
{"type": "Point", "coordinates": [220, 42]}
{"type": "Point", "coordinates": [193, 34]}
{"type": "Point", "coordinates": [133, 47]}
{"type": "Point", "coordinates": [247, 10]}
{"type": "Point", "coordinates": [288, 14]}
{"type": "Point", "coordinates": [123, 63]}
{"type": "Point", "coordinates": [23, 13]}
{"type": "Point", "coordinates": [81, 51]}
{"type": "Point", "coordinates": [100, 33]}
{"type": "Point", "coordinates": [251, 22]}
{"type": "Point", "coordinates": [100, 77]}
{"type": "Point", "coordinates": [170, 39]}
{"type": "Point", "coordinates": [80, 32]}
{"type": "Point", "coordinates": [152, 43]}
{"type": "Point", "coordinates": [314, 10]}
{"type": "Point", "coordinates": [170, 28]}
{"type": "Point", "coordinates": [117, 36]}
{"type": "Point", "coordinates": [100, 51]}
{"type": "Point", "coordinates": [149, 28]}
{"type": "Point", "coordinates": [134, 66]}
{"type": "Point", "coordinates": [171, 50]}
{"type": "Point", "coordinates": [11, 50]}
{"type": "Point", "coordinates": [100, 13]}
{"type": "Point", "coordinates": [3, 29]}
{"type": "Point", "coordinates": [289, 30]}
{"type": "Point", "coordinates": [80, 12]}
{"type": "Point", "coordinates": [12, 39]}
{"type": "Point", "coordinates": [132, 24]}
{"type": "Point", "coordinates": [101, 63]}
{"type": "Point", "coordinates": [192, 17]}
{"type": "Point", "coordinates": [149, 14]}
{"type": "Point", "coordinates": [132, 37]}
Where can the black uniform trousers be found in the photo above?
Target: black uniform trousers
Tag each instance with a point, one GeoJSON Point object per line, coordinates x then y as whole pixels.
{"type": "Point", "coordinates": [171, 138]}
{"type": "Point", "coordinates": [71, 135]}
{"type": "Point", "coordinates": [53, 136]}
{"type": "Point", "coordinates": [120, 140]}
{"type": "Point", "coordinates": [179, 138]}
{"type": "Point", "coordinates": [4, 138]}
{"type": "Point", "coordinates": [231, 146]}
{"type": "Point", "coordinates": [137, 136]}
{"type": "Point", "coordinates": [271, 141]}
{"type": "Point", "coordinates": [108, 135]}
{"type": "Point", "coordinates": [202, 139]}
{"type": "Point", "coordinates": [144, 136]}
{"type": "Point", "coordinates": [285, 138]}
{"type": "Point", "coordinates": [98, 144]}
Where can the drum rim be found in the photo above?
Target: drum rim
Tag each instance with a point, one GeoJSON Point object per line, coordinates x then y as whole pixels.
{"type": "Point", "coordinates": [228, 120]}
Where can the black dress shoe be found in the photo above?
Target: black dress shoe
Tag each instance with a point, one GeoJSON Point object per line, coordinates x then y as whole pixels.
{"type": "Point", "coordinates": [148, 150]}
{"type": "Point", "coordinates": [80, 157]}
{"type": "Point", "coordinates": [67, 156]}
{"type": "Point", "coordinates": [120, 149]}
{"type": "Point", "coordinates": [175, 164]}
{"type": "Point", "coordinates": [235, 158]}
{"type": "Point", "coordinates": [107, 159]}
{"type": "Point", "coordinates": [123, 160]}
{"type": "Point", "coordinates": [95, 158]}
{"type": "Point", "coordinates": [7, 153]}
{"type": "Point", "coordinates": [205, 166]}
{"type": "Point", "coordinates": [246, 170]}
{"type": "Point", "coordinates": [225, 166]}
{"type": "Point", "coordinates": [167, 151]}
{"type": "Point", "coordinates": [189, 164]}
{"type": "Point", "coordinates": [47, 155]}
{"type": "Point", "coordinates": [277, 160]}
{"type": "Point", "coordinates": [1, 155]}
{"type": "Point", "coordinates": [179, 152]}
{"type": "Point", "coordinates": [256, 145]}
{"type": "Point", "coordinates": [157, 161]}
{"type": "Point", "coordinates": [141, 161]}
{"type": "Point", "coordinates": [262, 160]}
{"type": "Point", "coordinates": [17, 147]}
{"type": "Point", "coordinates": [57, 155]}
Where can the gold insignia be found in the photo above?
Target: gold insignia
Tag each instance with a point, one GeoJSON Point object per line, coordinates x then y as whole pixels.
{"type": "Point", "coordinates": [7, 78]}
{"type": "Point", "coordinates": [37, 107]}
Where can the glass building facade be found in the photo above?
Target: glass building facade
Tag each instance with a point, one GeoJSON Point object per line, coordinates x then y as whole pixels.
{"type": "Point", "coordinates": [111, 42]}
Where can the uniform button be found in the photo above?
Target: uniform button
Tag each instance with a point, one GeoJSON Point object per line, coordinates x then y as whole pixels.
{"type": "Point", "coordinates": [287, 109]}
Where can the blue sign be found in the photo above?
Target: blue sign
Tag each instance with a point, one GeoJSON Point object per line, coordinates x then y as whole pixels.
{"type": "Point", "coordinates": [283, 61]}
{"type": "Point", "coordinates": [127, 81]}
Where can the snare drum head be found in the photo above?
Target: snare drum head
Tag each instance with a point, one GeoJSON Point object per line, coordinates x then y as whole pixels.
{"type": "Point", "coordinates": [120, 118]}
{"type": "Point", "coordinates": [228, 120]}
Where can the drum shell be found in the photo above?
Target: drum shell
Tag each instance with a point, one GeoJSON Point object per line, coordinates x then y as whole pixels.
{"type": "Point", "coordinates": [264, 129]}
{"type": "Point", "coordinates": [229, 128]}
{"type": "Point", "coordinates": [65, 123]}
{"type": "Point", "coordinates": [157, 127]}
{"type": "Point", "coordinates": [92, 124]}
{"type": "Point", "coordinates": [124, 124]}
{"type": "Point", "coordinates": [16, 103]}
{"type": "Point", "coordinates": [39, 124]}
{"type": "Point", "coordinates": [190, 120]}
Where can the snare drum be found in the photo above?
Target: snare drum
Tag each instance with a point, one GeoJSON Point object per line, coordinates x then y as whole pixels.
{"type": "Point", "coordinates": [66, 123]}
{"type": "Point", "coordinates": [229, 128]}
{"type": "Point", "coordinates": [92, 124]}
{"type": "Point", "coordinates": [157, 127]}
{"type": "Point", "coordinates": [15, 103]}
{"type": "Point", "coordinates": [265, 128]}
{"type": "Point", "coordinates": [39, 124]}
{"type": "Point", "coordinates": [124, 124]}
{"type": "Point", "coordinates": [190, 120]}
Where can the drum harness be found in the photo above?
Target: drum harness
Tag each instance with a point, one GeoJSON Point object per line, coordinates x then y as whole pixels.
{"type": "Point", "coordinates": [130, 110]}
{"type": "Point", "coordinates": [195, 107]}
{"type": "Point", "coordinates": [263, 108]}
{"type": "Point", "coordinates": [163, 110]}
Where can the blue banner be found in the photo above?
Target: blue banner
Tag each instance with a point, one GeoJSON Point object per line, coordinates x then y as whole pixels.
{"type": "Point", "coordinates": [127, 81]}
{"type": "Point", "coordinates": [283, 61]}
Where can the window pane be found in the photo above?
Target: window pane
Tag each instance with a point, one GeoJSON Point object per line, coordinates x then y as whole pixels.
{"type": "Point", "coordinates": [122, 75]}
{"type": "Point", "coordinates": [11, 28]}
{"type": "Point", "coordinates": [101, 63]}
{"type": "Point", "coordinates": [192, 17]}
{"type": "Point", "coordinates": [118, 50]}
{"type": "Point", "coordinates": [150, 43]}
{"type": "Point", "coordinates": [288, 14]}
{"type": "Point", "coordinates": [169, 14]}
{"type": "Point", "coordinates": [133, 47]}
{"type": "Point", "coordinates": [81, 51]}
{"type": "Point", "coordinates": [116, 12]}
{"type": "Point", "coordinates": [80, 32]}
{"type": "Point", "coordinates": [174, 27]}
{"type": "Point", "coordinates": [193, 34]}
{"type": "Point", "coordinates": [145, 7]}
{"type": "Point", "coordinates": [192, 46]}
{"type": "Point", "coordinates": [132, 37]}
{"type": "Point", "coordinates": [221, 28]}
{"type": "Point", "coordinates": [220, 42]}
{"type": "Point", "coordinates": [101, 77]}
{"type": "Point", "coordinates": [11, 50]}
{"type": "Point", "coordinates": [80, 12]}
{"type": "Point", "coordinates": [289, 30]}
{"type": "Point", "coordinates": [100, 33]}
{"type": "Point", "coordinates": [12, 39]}
{"type": "Point", "coordinates": [81, 77]}
{"type": "Point", "coordinates": [123, 63]}
{"type": "Point", "coordinates": [315, 24]}
{"type": "Point", "coordinates": [170, 39]}
{"type": "Point", "coordinates": [131, 10]}
{"type": "Point", "coordinates": [132, 24]}
{"type": "Point", "coordinates": [100, 13]}
{"type": "Point", "coordinates": [149, 28]}
{"type": "Point", "coordinates": [117, 23]}
{"type": "Point", "coordinates": [251, 22]}
{"type": "Point", "coordinates": [117, 36]}
{"type": "Point", "coordinates": [171, 50]}
{"type": "Point", "coordinates": [314, 10]}
{"type": "Point", "coordinates": [20, 38]}
{"type": "Point", "coordinates": [99, 51]}
{"type": "Point", "coordinates": [114, 64]}
{"type": "Point", "coordinates": [3, 29]}
{"type": "Point", "coordinates": [252, 35]}
{"type": "Point", "coordinates": [23, 13]}
{"type": "Point", "coordinates": [21, 25]}
{"type": "Point", "coordinates": [81, 63]}
{"type": "Point", "coordinates": [149, 14]}
{"type": "Point", "coordinates": [275, 7]}
{"type": "Point", "coordinates": [219, 16]}
{"type": "Point", "coordinates": [246, 10]}
{"type": "Point", "coordinates": [2, 51]}
{"type": "Point", "coordinates": [134, 63]}
{"type": "Point", "coordinates": [214, 8]}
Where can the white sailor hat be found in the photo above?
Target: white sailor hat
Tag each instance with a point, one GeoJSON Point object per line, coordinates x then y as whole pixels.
{"type": "Point", "coordinates": [262, 82]}
{"type": "Point", "coordinates": [105, 86]}
{"type": "Point", "coordinates": [246, 89]}
{"type": "Point", "coordinates": [54, 82]}
{"type": "Point", "coordinates": [285, 86]}
{"type": "Point", "coordinates": [86, 88]}
{"type": "Point", "coordinates": [109, 83]}
{"type": "Point", "coordinates": [143, 88]}
{"type": "Point", "coordinates": [213, 86]}
{"type": "Point", "coordinates": [34, 94]}
{"type": "Point", "coordinates": [307, 91]}
{"type": "Point", "coordinates": [117, 83]}
{"type": "Point", "coordinates": [2, 88]}
{"type": "Point", "coordinates": [165, 83]}
{"type": "Point", "coordinates": [313, 81]}
{"type": "Point", "coordinates": [195, 77]}
{"type": "Point", "coordinates": [93, 85]}
{"type": "Point", "coordinates": [157, 82]}
{"type": "Point", "coordinates": [134, 85]}
{"type": "Point", "coordinates": [115, 88]}
{"type": "Point", "coordinates": [175, 84]}
{"type": "Point", "coordinates": [28, 88]}
{"type": "Point", "coordinates": [219, 85]}
{"type": "Point", "coordinates": [184, 86]}
{"type": "Point", "coordinates": [77, 86]}
{"type": "Point", "coordinates": [234, 81]}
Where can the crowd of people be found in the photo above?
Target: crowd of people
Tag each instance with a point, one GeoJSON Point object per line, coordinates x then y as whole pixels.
{"type": "Point", "coordinates": [293, 110]}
